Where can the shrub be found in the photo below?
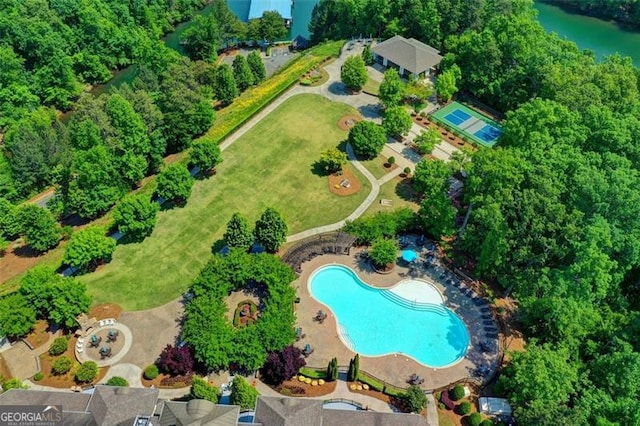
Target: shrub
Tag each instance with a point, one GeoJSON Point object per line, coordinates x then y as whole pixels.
{"type": "Point", "coordinates": [486, 422]}
{"type": "Point", "coordinates": [87, 372]}
{"type": "Point", "coordinates": [383, 251]}
{"type": "Point", "coordinates": [243, 394]}
{"type": "Point", "coordinates": [38, 376]}
{"type": "Point", "coordinates": [306, 82]}
{"type": "Point", "coordinates": [391, 160]}
{"type": "Point", "coordinates": [200, 389]}
{"type": "Point", "coordinates": [464, 408]}
{"type": "Point", "coordinates": [373, 383]}
{"type": "Point", "coordinates": [59, 346]}
{"type": "Point", "coordinates": [441, 406]}
{"type": "Point", "coordinates": [391, 391]}
{"type": "Point", "coordinates": [62, 365]}
{"type": "Point", "coordinates": [407, 171]}
{"type": "Point", "coordinates": [176, 361]}
{"type": "Point", "coordinates": [457, 393]}
{"type": "Point", "coordinates": [415, 399]}
{"type": "Point", "coordinates": [117, 381]}
{"type": "Point", "coordinates": [151, 372]}
{"type": "Point", "coordinates": [282, 365]}
{"type": "Point", "coordinates": [475, 419]}
{"type": "Point", "coordinates": [13, 384]}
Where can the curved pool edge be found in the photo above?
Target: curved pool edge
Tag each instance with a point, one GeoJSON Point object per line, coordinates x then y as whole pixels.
{"type": "Point", "coordinates": [345, 341]}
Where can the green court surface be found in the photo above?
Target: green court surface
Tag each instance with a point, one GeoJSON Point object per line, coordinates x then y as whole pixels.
{"type": "Point", "coordinates": [468, 123]}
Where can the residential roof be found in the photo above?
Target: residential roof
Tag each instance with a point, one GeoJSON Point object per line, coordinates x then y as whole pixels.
{"type": "Point", "coordinates": [258, 7]}
{"type": "Point", "coordinates": [410, 54]}
{"type": "Point", "coordinates": [106, 406]}
{"type": "Point", "coordinates": [113, 405]}
{"type": "Point", "coordinates": [370, 418]}
{"type": "Point", "coordinates": [70, 401]}
{"type": "Point", "coordinates": [283, 411]}
{"type": "Point", "coordinates": [198, 412]}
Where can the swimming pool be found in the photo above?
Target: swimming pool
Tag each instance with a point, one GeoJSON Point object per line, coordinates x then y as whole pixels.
{"type": "Point", "coordinates": [409, 318]}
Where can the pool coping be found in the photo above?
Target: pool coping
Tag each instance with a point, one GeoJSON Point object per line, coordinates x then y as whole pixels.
{"type": "Point", "coordinates": [346, 344]}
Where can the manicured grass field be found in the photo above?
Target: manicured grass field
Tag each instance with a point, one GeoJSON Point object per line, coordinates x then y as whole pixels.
{"type": "Point", "coordinates": [372, 87]}
{"type": "Point", "coordinates": [400, 192]}
{"type": "Point", "coordinates": [271, 165]}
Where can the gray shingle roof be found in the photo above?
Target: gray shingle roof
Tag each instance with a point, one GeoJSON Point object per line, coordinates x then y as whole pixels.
{"type": "Point", "coordinates": [198, 412]}
{"type": "Point", "coordinates": [410, 54]}
{"type": "Point", "coordinates": [283, 411]}
{"type": "Point", "coordinates": [70, 401]}
{"type": "Point", "coordinates": [370, 418]}
{"type": "Point", "coordinates": [111, 405]}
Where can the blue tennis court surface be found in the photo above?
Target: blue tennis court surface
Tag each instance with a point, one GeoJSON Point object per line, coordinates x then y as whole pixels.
{"type": "Point", "coordinates": [457, 117]}
{"type": "Point", "coordinates": [488, 133]}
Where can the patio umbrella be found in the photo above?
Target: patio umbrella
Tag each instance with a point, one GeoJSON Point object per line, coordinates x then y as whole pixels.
{"type": "Point", "coordinates": [409, 255]}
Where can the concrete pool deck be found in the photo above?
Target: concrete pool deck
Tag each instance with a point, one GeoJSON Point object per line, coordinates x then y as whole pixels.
{"type": "Point", "coordinates": [396, 368]}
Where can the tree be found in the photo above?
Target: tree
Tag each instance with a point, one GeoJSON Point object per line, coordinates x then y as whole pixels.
{"type": "Point", "coordinates": [38, 227]}
{"type": "Point", "coordinates": [254, 60]}
{"type": "Point", "coordinates": [243, 394]}
{"type": "Point", "coordinates": [367, 55]}
{"type": "Point", "coordinates": [9, 220]}
{"type": "Point", "coordinates": [431, 177]}
{"type": "Point", "coordinates": [242, 73]}
{"type": "Point", "coordinates": [396, 121]}
{"type": "Point", "coordinates": [282, 365]}
{"type": "Point", "coordinates": [225, 87]}
{"type": "Point", "coordinates": [384, 252]}
{"type": "Point", "coordinates": [176, 361]}
{"type": "Point", "coordinates": [270, 230]}
{"type": "Point", "coordinates": [332, 160]}
{"type": "Point", "coordinates": [367, 139]}
{"type": "Point", "coordinates": [354, 73]}
{"type": "Point", "coordinates": [88, 248]}
{"type": "Point", "coordinates": [446, 85]}
{"type": "Point", "coordinates": [54, 297]}
{"type": "Point", "coordinates": [200, 389]}
{"type": "Point", "coordinates": [427, 141]}
{"type": "Point", "coordinates": [117, 381]}
{"type": "Point", "coordinates": [86, 372]}
{"type": "Point", "coordinates": [175, 183]}
{"type": "Point", "coordinates": [475, 419]}
{"type": "Point", "coordinates": [238, 234]}
{"type": "Point", "coordinates": [272, 26]}
{"type": "Point", "coordinates": [437, 215]}
{"type": "Point", "coordinates": [332, 370]}
{"type": "Point", "coordinates": [415, 399]}
{"type": "Point", "coordinates": [62, 365]}
{"type": "Point", "coordinates": [17, 316]}
{"type": "Point", "coordinates": [391, 89]}
{"type": "Point", "coordinates": [136, 216]}
{"type": "Point", "coordinates": [205, 154]}
{"type": "Point", "coordinates": [202, 38]}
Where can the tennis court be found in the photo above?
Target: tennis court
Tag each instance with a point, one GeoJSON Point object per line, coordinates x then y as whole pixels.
{"type": "Point", "coordinates": [470, 124]}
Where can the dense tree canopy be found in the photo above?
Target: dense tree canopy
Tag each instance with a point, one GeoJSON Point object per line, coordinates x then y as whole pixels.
{"type": "Point", "coordinates": [88, 248]}
{"type": "Point", "coordinates": [215, 342]}
{"type": "Point", "coordinates": [205, 153]}
{"type": "Point", "coordinates": [391, 89]}
{"type": "Point", "coordinates": [38, 227]}
{"type": "Point", "coordinates": [354, 73]}
{"type": "Point", "coordinates": [239, 233]}
{"type": "Point", "coordinates": [136, 216]}
{"type": "Point", "coordinates": [175, 183]}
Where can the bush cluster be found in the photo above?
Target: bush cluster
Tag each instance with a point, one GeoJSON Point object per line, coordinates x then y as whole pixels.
{"type": "Point", "coordinates": [59, 346]}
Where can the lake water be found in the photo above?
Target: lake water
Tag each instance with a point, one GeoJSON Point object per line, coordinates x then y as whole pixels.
{"type": "Point", "coordinates": [602, 37]}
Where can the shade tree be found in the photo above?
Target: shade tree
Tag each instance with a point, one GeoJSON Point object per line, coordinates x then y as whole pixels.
{"type": "Point", "coordinates": [205, 154]}
{"type": "Point", "coordinates": [238, 233]}
{"type": "Point", "coordinates": [270, 230]}
{"type": "Point", "coordinates": [17, 316]}
{"type": "Point", "coordinates": [88, 248]}
{"type": "Point", "coordinates": [384, 251]}
{"type": "Point", "coordinates": [354, 73]}
{"type": "Point", "coordinates": [396, 121]}
{"type": "Point", "coordinates": [259, 71]}
{"type": "Point", "coordinates": [391, 90]}
{"type": "Point", "coordinates": [38, 227]}
{"type": "Point", "coordinates": [332, 160]}
{"type": "Point", "coordinates": [282, 365]}
{"type": "Point", "coordinates": [175, 183]}
{"type": "Point", "coordinates": [367, 139]}
{"type": "Point", "coordinates": [225, 86]}
{"type": "Point", "coordinates": [136, 216]}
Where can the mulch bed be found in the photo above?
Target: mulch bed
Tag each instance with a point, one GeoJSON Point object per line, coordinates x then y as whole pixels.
{"type": "Point", "coordinates": [304, 389]}
{"type": "Point", "coordinates": [446, 135]}
{"type": "Point", "coordinates": [165, 381]}
{"type": "Point", "coordinates": [338, 189]}
{"type": "Point", "coordinates": [39, 335]}
{"type": "Point", "coordinates": [347, 122]}
{"type": "Point", "coordinates": [64, 380]}
{"type": "Point", "coordinates": [104, 311]}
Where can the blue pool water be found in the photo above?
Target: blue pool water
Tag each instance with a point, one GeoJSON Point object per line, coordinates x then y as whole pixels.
{"type": "Point", "coordinates": [375, 322]}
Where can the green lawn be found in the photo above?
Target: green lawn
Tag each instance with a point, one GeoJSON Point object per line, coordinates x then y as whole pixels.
{"type": "Point", "coordinates": [271, 165]}
{"type": "Point", "coordinates": [371, 86]}
{"type": "Point", "coordinates": [376, 166]}
{"type": "Point", "coordinates": [400, 192]}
